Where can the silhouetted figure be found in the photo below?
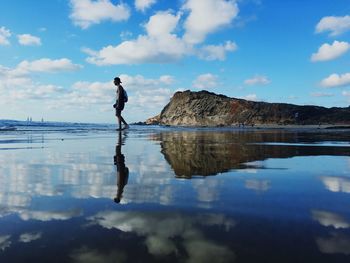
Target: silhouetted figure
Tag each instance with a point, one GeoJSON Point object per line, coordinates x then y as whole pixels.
{"type": "Point", "coordinates": [122, 170]}
{"type": "Point", "coordinates": [120, 103]}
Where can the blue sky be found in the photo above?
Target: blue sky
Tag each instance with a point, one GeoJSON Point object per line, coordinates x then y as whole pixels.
{"type": "Point", "coordinates": [58, 58]}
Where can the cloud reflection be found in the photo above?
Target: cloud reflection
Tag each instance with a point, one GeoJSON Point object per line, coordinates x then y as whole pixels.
{"type": "Point", "coordinates": [326, 218]}
{"type": "Point", "coordinates": [258, 185]}
{"type": "Point", "coordinates": [29, 237]}
{"type": "Point", "coordinates": [50, 215]}
{"type": "Point", "coordinates": [5, 242]}
{"type": "Point", "coordinates": [162, 229]}
{"type": "Point", "coordinates": [336, 184]}
{"type": "Point", "coordinates": [15, 200]}
{"type": "Point", "coordinates": [84, 175]}
{"type": "Point", "coordinates": [207, 189]}
{"type": "Point", "coordinates": [86, 255]}
{"type": "Point", "coordinates": [336, 243]}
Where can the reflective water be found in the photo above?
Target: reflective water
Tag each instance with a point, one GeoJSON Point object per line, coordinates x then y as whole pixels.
{"type": "Point", "coordinates": [171, 195]}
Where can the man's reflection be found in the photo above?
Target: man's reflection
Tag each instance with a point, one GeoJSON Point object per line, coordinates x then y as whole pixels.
{"type": "Point", "coordinates": [122, 170]}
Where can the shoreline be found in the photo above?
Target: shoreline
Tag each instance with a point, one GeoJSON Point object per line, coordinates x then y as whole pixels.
{"type": "Point", "coordinates": [306, 126]}
{"type": "Point", "coordinates": [151, 127]}
{"type": "Point", "coordinates": [250, 127]}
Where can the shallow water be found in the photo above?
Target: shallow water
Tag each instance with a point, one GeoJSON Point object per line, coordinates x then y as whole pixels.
{"type": "Point", "coordinates": [181, 195]}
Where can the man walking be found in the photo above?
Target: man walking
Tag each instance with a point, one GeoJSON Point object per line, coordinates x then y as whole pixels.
{"type": "Point", "coordinates": [120, 103]}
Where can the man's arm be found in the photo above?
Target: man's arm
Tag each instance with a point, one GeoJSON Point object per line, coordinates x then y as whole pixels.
{"type": "Point", "coordinates": [120, 95]}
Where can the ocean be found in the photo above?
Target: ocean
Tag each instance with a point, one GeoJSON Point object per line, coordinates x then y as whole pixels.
{"type": "Point", "coordinates": [12, 125]}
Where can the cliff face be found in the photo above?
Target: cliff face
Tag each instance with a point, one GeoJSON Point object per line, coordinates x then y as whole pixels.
{"type": "Point", "coordinates": [209, 109]}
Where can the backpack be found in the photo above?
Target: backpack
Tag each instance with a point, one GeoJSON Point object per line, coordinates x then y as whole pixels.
{"type": "Point", "coordinates": [125, 95]}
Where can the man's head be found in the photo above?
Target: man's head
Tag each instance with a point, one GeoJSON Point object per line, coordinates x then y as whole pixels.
{"type": "Point", "coordinates": [117, 81]}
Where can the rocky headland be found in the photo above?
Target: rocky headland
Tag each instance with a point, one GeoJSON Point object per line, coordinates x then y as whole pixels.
{"type": "Point", "coordinates": [204, 153]}
{"type": "Point", "coordinates": [204, 108]}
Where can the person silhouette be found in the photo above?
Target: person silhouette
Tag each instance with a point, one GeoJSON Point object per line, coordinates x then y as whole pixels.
{"type": "Point", "coordinates": [122, 170]}
{"type": "Point", "coordinates": [120, 103]}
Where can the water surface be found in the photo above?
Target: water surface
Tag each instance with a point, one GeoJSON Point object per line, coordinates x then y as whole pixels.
{"type": "Point", "coordinates": [175, 195]}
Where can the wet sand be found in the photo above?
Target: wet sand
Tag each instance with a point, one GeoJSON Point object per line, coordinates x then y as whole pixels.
{"type": "Point", "coordinates": [184, 195]}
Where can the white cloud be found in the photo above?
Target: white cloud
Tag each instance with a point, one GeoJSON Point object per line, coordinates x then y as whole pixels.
{"type": "Point", "coordinates": [45, 91]}
{"type": "Point", "coordinates": [158, 46]}
{"type": "Point", "coordinates": [139, 82]}
{"type": "Point", "coordinates": [335, 24]}
{"type": "Point", "coordinates": [160, 43]}
{"type": "Point", "coordinates": [4, 35]}
{"type": "Point", "coordinates": [161, 24]}
{"type": "Point", "coordinates": [125, 35]}
{"type": "Point", "coordinates": [252, 97]}
{"type": "Point", "coordinates": [10, 77]}
{"type": "Point", "coordinates": [166, 79]}
{"type": "Point", "coordinates": [148, 94]}
{"type": "Point", "coordinates": [329, 52]}
{"type": "Point", "coordinates": [85, 93]}
{"type": "Point", "coordinates": [207, 16]}
{"type": "Point", "coordinates": [321, 94]}
{"type": "Point", "coordinates": [217, 52]}
{"type": "Point", "coordinates": [142, 5]}
{"type": "Point", "coordinates": [29, 40]}
{"type": "Point", "coordinates": [152, 98]}
{"type": "Point", "coordinates": [346, 93]}
{"type": "Point", "coordinates": [257, 80]}
{"type": "Point", "coordinates": [33, 91]}
{"type": "Point", "coordinates": [86, 86]}
{"type": "Point", "coordinates": [335, 80]}
{"type": "Point", "coordinates": [18, 84]}
{"type": "Point", "coordinates": [143, 93]}
{"type": "Point", "coordinates": [205, 81]}
{"type": "Point", "coordinates": [47, 65]}
{"type": "Point", "coordinates": [87, 12]}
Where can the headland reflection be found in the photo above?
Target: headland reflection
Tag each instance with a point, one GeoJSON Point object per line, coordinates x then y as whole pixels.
{"type": "Point", "coordinates": [204, 153]}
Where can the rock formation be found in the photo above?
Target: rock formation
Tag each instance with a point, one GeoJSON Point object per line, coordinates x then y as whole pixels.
{"type": "Point", "coordinates": [203, 153]}
{"type": "Point", "coordinates": [204, 108]}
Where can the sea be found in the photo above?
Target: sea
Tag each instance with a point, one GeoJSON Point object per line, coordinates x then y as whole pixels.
{"type": "Point", "coordinates": [80, 192]}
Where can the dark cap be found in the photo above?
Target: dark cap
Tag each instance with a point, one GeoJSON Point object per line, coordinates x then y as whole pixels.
{"type": "Point", "coordinates": [117, 79]}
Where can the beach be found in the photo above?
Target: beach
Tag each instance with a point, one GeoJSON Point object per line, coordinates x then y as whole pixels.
{"type": "Point", "coordinates": [167, 194]}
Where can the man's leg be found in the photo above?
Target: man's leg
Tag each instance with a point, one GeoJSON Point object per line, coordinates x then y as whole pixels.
{"type": "Point", "coordinates": [119, 116]}
{"type": "Point", "coordinates": [122, 120]}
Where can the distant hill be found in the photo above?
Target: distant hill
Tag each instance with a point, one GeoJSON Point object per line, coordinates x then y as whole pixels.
{"type": "Point", "coordinates": [204, 108]}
